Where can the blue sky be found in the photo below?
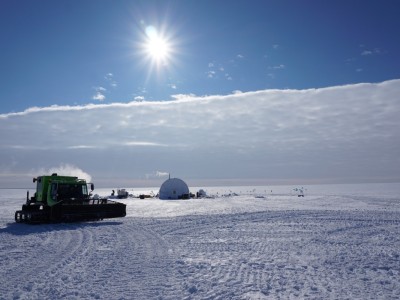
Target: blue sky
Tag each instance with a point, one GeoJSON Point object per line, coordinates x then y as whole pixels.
{"type": "Point", "coordinates": [214, 92]}
{"type": "Point", "coordinates": [67, 52]}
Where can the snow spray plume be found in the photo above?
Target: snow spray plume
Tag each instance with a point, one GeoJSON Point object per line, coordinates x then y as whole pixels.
{"type": "Point", "coordinates": [157, 174]}
{"type": "Point", "coordinates": [162, 174]}
{"type": "Point", "coordinates": [67, 170]}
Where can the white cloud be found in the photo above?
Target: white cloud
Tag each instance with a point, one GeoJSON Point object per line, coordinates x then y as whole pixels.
{"type": "Point", "coordinates": [345, 132]}
{"type": "Point", "coordinates": [99, 96]}
{"type": "Point", "coordinates": [82, 147]}
{"type": "Point", "coordinates": [99, 93]}
{"type": "Point", "coordinates": [143, 143]}
{"type": "Point", "coordinates": [366, 52]}
{"type": "Point", "coordinates": [278, 67]}
{"type": "Point", "coordinates": [210, 74]}
{"type": "Point", "coordinates": [139, 98]}
{"type": "Point", "coordinates": [182, 96]}
{"type": "Point", "coordinates": [109, 77]}
{"type": "Point", "coordinates": [371, 52]}
{"type": "Point", "coordinates": [215, 72]}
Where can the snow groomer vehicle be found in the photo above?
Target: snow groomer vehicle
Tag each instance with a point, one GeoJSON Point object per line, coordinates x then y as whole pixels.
{"type": "Point", "coordinates": [66, 199]}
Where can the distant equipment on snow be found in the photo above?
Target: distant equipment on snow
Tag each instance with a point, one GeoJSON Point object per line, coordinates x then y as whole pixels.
{"type": "Point", "coordinates": [201, 194]}
{"type": "Point", "coordinates": [299, 191]}
{"type": "Point", "coordinates": [122, 194]}
{"type": "Point", "coordinates": [174, 189]}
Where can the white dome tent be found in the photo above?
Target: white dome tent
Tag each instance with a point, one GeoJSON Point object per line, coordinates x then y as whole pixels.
{"type": "Point", "coordinates": [173, 189]}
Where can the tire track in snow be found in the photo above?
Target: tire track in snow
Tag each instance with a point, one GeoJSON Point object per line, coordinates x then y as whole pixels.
{"type": "Point", "coordinates": [272, 254]}
{"type": "Point", "coordinates": [68, 269]}
{"type": "Point", "coordinates": [131, 261]}
{"type": "Point", "coordinates": [90, 260]}
{"type": "Point", "coordinates": [212, 248]}
{"type": "Point", "coordinates": [44, 247]}
{"type": "Point", "coordinates": [280, 253]}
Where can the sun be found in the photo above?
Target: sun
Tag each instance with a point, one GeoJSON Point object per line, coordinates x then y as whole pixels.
{"type": "Point", "coordinates": [156, 46]}
{"type": "Point", "coordinates": [157, 49]}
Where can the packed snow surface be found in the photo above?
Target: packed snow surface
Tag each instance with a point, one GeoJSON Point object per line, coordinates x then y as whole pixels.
{"type": "Point", "coordinates": [337, 242]}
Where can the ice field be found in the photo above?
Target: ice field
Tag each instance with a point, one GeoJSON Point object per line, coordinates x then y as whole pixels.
{"type": "Point", "coordinates": [338, 242]}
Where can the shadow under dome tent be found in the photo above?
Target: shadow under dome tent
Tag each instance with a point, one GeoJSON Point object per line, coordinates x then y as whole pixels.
{"type": "Point", "coordinates": [173, 189]}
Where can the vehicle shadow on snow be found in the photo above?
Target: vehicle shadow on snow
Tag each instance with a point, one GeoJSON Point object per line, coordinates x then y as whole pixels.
{"type": "Point", "coordinates": [27, 229]}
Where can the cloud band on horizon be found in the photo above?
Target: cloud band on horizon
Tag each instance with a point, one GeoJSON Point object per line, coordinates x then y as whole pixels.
{"type": "Point", "coordinates": [349, 131]}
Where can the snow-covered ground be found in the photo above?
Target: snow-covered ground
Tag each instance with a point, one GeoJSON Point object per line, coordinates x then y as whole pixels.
{"type": "Point", "coordinates": [338, 242]}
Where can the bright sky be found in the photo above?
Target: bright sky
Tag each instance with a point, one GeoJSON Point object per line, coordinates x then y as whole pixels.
{"type": "Point", "coordinates": [235, 91]}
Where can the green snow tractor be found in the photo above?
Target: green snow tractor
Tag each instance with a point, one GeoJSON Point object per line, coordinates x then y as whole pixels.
{"type": "Point", "coordinates": [66, 199]}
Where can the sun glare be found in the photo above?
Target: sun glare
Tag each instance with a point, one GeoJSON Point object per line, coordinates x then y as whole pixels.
{"type": "Point", "coordinates": [156, 46]}
{"type": "Point", "coordinates": [157, 49]}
